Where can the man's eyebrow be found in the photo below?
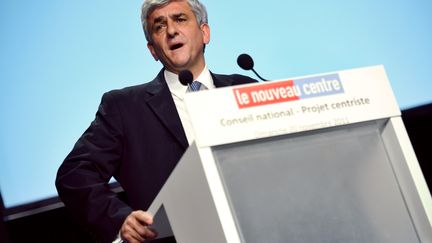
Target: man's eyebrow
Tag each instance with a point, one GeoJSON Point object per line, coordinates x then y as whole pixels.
{"type": "Point", "coordinates": [178, 15]}
{"type": "Point", "coordinates": [174, 16]}
{"type": "Point", "coordinates": [159, 19]}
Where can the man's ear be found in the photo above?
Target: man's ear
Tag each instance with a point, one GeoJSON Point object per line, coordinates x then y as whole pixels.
{"type": "Point", "coordinates": [152, 51]}
{"type": "Point", "coordinates": [205, 29]}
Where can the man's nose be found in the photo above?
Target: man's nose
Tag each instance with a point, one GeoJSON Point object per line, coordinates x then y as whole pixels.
{"type": "Point", "coordinates": [172, 29]}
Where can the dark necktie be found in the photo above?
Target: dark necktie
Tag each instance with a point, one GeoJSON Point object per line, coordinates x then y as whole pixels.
{"type": "Point", "coordinates": [195, 86]}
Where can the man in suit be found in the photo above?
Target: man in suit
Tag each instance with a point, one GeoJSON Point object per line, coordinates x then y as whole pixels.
{"type": "Point", "coordinates": [140, 132]}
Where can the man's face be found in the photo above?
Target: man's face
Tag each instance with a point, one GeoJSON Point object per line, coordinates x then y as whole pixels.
{"type": "Point", "coordinates": [177, 39]}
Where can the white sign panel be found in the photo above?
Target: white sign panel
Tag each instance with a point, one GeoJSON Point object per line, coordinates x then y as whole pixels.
{"type": "Point", "coordinates": [246, 112]}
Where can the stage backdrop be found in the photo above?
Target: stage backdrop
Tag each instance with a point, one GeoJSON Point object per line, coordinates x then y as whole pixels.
{"type": "Point", "coordinates": [58, 57]}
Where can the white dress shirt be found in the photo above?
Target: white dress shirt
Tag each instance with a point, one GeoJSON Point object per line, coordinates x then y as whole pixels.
{"type": "Point", "coordinates": [178, 92]}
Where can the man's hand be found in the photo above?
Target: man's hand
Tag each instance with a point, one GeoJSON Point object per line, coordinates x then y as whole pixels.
{"type": "Point", "coordinates": [135, 227]}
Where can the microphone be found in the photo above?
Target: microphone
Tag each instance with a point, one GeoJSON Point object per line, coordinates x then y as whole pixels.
{"type": "Point", "coordinates": [246, 62]}
{"type": "Point", "coordinates": [185, 77]}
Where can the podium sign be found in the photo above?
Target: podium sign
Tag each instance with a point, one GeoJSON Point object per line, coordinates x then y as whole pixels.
{"type": "Point", "coordinates": [322, 158]}
{"type": "Point", "coordinates": [254, 111]}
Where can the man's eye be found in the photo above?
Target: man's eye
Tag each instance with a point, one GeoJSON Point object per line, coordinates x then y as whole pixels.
{"type": "Point", "coordinates": [181, 20]}
{"type": "Point", "coordinates": [158, 27]}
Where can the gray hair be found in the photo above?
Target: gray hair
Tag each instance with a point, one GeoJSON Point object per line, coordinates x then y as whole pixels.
{"type": "Point", "coordinates": [149, 5]}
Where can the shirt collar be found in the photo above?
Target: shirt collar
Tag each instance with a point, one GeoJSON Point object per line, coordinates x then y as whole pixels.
{"type": "Point", "coordinates": [179, 90]}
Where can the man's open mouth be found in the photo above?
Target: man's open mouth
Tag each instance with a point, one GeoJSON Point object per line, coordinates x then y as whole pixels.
{"type": "Point", "coordinates": [176, 46]}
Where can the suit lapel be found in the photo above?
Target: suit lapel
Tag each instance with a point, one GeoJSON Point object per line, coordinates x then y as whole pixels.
{"type": "Point", "coordinates": [163, 106]}
{"type": "Point", "coordinates": [219, 81]}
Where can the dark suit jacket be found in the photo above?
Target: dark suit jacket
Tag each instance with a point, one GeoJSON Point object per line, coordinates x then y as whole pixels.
{"type": "Point", "coordinates": [137, 137]}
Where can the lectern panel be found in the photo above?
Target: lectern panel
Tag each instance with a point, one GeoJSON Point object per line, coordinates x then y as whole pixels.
{"type": "Point", "coordinates": [330, 185]}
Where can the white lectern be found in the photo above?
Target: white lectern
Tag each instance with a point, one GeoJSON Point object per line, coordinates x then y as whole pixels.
{"type": "Point", "coordinates": [322, 158]}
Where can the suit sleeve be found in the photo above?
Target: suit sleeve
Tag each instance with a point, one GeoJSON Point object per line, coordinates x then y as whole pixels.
{"type": "Point", "coordinates": [82, 179]}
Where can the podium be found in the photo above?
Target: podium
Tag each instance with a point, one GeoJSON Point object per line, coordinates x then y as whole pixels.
{"type": "Point", "coordinates": [321, 158]}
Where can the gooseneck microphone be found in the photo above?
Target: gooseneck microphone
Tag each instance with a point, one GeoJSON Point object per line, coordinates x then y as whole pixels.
{"type": "Point", "coordinates": [185, 77]}
{"type": "Point", "coordinates": [246, 62]}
